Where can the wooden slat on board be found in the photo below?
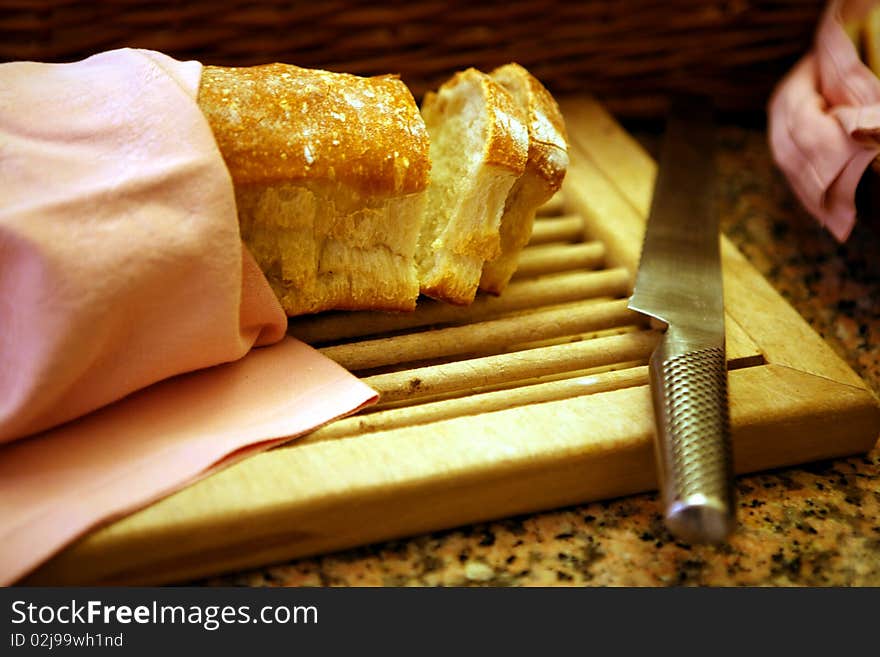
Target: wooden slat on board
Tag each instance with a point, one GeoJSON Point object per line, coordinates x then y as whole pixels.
{"type": "Point", "coordinates": [491, 335]}
{"type": "Point", "coordinates": [521, 295]}
{"type": "Point", "coordinates": [569, 228]}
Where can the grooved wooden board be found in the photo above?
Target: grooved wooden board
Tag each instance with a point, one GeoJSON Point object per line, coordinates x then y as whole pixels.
{"type": "Point", "coordinates": [531, 400]}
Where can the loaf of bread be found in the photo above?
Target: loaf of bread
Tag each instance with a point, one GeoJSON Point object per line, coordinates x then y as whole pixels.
{"type": "Point", "coordinates": [479, 148]}
{"type": "Point", "coordinates": [544, 171]}
{"type": "Point", "coordinates": [330, 172]}
{"type": "Point", "coordinates": [351, 198]}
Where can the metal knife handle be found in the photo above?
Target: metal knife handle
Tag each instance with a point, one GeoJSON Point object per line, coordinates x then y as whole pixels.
{"type": "Point", "coordinates": [693, 442]}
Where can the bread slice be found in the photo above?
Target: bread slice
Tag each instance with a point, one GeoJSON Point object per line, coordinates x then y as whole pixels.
{"type": "Point", "coordinates": [545, 169]}
{"type": "Point", "coordinates": [479, 146]}
{"type": "Point", "coordinates": [330, 172]}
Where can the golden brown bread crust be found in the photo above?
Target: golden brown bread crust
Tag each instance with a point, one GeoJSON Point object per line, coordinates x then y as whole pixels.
{"type": "Point", "coordinates": [545, 169]}
{"type": "Point", "coordinates": [280, 122]}
{"type": "Point", "coordinates": [548, 139]}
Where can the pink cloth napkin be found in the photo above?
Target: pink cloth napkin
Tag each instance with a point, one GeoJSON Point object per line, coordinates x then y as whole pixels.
{"type": "Point", "coordinates": [121, 266]}
{"type": "Point", "coordinates": [824, 121]}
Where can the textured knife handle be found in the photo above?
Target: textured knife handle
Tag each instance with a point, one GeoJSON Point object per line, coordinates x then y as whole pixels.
{"type": "Point", "coordinates": [690, 398]}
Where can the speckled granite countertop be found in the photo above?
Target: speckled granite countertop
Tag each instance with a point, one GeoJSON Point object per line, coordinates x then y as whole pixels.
{"type": "Point", "coordinates": [813, 525]}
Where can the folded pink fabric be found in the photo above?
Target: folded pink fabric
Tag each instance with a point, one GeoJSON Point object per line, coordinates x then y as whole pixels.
{"type": "Point", "coordinates": [121, 265]}
{"type": "Point", "coordinates": [824, 121]}
{"type": "Point", "coordinates": [119, 246]}
{"type": "Point", "coordinates": [56, 486]}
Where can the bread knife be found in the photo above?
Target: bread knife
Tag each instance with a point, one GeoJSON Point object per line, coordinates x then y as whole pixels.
{"type": "Point", "coordinates": [679, 283]}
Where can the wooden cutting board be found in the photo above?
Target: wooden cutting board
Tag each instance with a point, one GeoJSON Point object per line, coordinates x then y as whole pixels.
{"type": "Point", "coordinates": [529, 401]}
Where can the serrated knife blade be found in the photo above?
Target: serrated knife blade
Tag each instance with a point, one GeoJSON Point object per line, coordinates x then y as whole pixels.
{"type": "Point", "coordinates": [679, 283]}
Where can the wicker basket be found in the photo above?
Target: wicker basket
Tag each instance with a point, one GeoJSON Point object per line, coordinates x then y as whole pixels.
{"type": "Point", "coordinates": [629, 54]}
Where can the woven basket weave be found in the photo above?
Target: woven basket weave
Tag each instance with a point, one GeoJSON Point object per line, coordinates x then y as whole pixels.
{"type": "Point", "coordinates": [629, 54]}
